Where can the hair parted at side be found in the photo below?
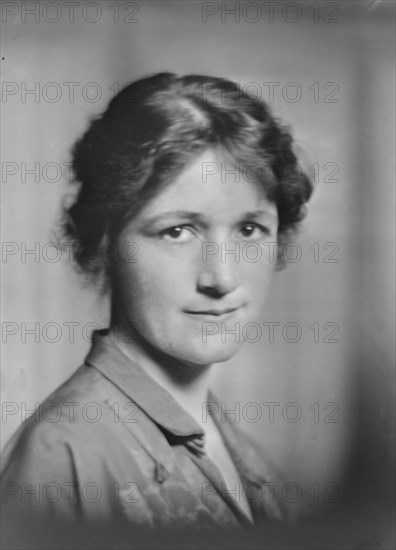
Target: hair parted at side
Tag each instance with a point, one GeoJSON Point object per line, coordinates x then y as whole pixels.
{"type": "Point", "coordinates": [149, 133]}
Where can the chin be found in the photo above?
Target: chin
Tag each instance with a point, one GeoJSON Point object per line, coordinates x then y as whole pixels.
{"type": "Point", "coordinates": [212, 352]}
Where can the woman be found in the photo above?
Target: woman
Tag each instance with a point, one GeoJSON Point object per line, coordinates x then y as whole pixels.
{"type": "Point", "coordinates": [176, 177]}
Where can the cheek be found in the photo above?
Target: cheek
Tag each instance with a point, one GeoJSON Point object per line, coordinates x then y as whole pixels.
{"type": "Point", "coordinates": [257, 277]}
{"type": "Point", "coordinates": [154, 282]}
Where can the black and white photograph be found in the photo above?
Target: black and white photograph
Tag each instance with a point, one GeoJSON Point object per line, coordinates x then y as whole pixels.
{"type": "Point", "coordinates": [198, 275]}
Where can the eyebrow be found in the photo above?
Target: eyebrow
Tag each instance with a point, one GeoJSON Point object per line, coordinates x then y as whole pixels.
{"type": "Point", "coordinates": [174, 214]}
{"type": "Point", "coordinates": [196, 216]}
{"type": "Point", "coordinates": [261, 213]}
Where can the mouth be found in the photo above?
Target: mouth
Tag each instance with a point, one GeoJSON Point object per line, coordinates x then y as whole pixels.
{"type": "Point", "coordinates": [214, 314]}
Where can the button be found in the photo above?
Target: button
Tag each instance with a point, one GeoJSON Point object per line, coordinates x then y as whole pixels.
{"type": "Point", "coordinates": [161, 473]}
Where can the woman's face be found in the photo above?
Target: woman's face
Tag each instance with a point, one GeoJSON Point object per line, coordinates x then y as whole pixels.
{"type": "Point", "coordinates": [195, 263]}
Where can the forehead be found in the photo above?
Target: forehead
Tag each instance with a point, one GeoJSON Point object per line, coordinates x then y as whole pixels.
{"type": "Point", "coordinates": [213, 183]}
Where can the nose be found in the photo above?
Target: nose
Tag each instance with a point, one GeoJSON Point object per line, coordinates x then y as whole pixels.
{"type": "Point", "coordinates": [218, 276]}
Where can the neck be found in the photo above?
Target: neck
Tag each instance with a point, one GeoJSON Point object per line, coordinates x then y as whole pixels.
{"type": "Point", "coordinates": [187, 383]}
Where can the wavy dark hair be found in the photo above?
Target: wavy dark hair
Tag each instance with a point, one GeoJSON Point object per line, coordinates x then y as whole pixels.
{"type": "Point", "coordinates": [149, 133]}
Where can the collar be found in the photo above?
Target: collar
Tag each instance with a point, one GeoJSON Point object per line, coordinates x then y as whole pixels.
{"type": "Point", "coordinates": [137, 385]}
{"type": "Point", "coordinates": [125, 373]}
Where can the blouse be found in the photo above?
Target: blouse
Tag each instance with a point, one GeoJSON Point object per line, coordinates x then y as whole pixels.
{"type": "Point", "coordinates": [112, 444]}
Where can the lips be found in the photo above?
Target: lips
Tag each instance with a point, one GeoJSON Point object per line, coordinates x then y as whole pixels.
{"type": "Point", "coordinates": [214, 312]}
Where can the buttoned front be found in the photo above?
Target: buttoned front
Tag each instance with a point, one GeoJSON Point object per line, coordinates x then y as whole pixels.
{"type": "Point", "coordinates": [110, 443]}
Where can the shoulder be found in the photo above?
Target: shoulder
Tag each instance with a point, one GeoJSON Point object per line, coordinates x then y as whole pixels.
{"type": "Point", "coordinates": [64, 405]}
{"type": "Point", "coordinates": [90, 444]}
{"type": "Point", "coordinates": [59, 422]}
{"type": "Point", "coordinates": [86, 425]}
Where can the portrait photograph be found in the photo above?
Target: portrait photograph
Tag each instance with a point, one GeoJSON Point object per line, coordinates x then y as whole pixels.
{"type": "Point", "coordinates": [198, 275]}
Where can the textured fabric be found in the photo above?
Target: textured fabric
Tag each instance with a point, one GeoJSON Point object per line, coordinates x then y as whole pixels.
{"type": "Point", "coordinates": [112, 444]}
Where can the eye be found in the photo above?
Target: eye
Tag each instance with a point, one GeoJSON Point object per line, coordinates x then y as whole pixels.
{"type": "Point", "coordinates": [253, 230]}
{"type": "Point", "coordinates": [179, 233]}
